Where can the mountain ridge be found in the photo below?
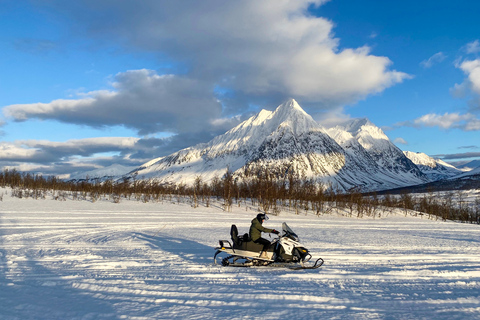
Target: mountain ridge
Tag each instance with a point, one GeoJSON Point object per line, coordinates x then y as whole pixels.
{"type": "Point", "coordinates": [435, 169]}
{"type": "Point", "coordinates": [290, 139]}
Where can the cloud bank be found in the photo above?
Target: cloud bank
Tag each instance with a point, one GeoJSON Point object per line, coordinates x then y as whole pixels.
{"type": "Point", "coordinates": [229, 56]}
{"type": "Point", "coordinates": [264, 51]}
{"type": "Point", "coordinates": [50, 157]}
{"type": "Point", "coordinates": [469, 88]}
{"type": "Point", "coordinates": [466, 122]}
{"type": "Point", "coordinates": [140, 99]}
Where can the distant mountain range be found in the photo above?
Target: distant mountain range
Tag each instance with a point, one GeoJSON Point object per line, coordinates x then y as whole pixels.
{"type": "Point", "coordinates": [357, 155]}
{"type": "Point", "coordinates": [469, 165]}
{"type": "Point", "coordinates": [110, 172]}
{"type": "Point", "coordinates": [435, 169]}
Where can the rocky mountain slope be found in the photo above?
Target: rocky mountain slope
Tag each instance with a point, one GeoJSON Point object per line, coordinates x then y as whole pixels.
{"type": "Point", "coordinates": [358, 155]}
{"type": "Point", "coordinates": [434, 169]}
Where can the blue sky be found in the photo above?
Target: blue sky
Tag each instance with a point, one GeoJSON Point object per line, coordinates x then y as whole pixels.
{"type": "Point", "coordinates": [86, 84]}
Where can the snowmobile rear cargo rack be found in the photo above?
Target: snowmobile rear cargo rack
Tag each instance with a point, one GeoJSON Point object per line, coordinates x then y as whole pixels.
{"type": "Point", "coordinates": [223, 245]}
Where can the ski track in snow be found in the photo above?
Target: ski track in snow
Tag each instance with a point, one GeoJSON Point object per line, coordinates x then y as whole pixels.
{"type": "Point", "coordinates": [82, 260]}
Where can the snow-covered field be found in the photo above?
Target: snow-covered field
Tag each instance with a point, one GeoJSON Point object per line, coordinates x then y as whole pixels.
{"type": "Point", "coordinates": [132, 260]}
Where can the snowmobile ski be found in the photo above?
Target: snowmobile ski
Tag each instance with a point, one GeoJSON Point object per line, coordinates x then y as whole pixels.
{"type": "Point", "coordinates": [317, 265]}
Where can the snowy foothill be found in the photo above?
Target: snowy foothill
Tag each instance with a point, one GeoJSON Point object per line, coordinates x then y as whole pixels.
{"type": "Point", "coordinates": [78, 259]}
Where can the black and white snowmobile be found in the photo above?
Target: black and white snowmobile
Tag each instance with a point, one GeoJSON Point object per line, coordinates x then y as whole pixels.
{"type": "Point", "coordinates": [285, 250]}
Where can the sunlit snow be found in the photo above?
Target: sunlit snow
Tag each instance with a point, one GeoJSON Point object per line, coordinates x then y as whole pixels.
{"type": "Point", "coordinates": [133, 260]}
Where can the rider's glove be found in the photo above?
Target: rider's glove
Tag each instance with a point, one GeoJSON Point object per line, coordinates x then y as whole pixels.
{"type": "Point", "coordinates": [275, 231]}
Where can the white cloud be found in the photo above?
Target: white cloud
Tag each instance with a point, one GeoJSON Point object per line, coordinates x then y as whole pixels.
{"type": "Point", "coordinates": [465, 122]}
{"type": "Point", "coordinates": [49, 157]}
{"type": "Point", "coordinates": [9, 151]}
{"type": "Point", "coordinates": [267, 50]}
{"type": "Point", "coordinates": [141, 99]}
{"type": "Point", "coordinates": [88, 145]}
{"type": "Point", "coordinates": [471, 84]}
{"type": "Point", "coordinates": [48, 151]}
{"type": "Point", "coordinates": [460, 90]}
{"type": "Point", "coordinates": [400, 141]}
{"type": "Point", "coordinates": [436, 58]}
{"type": "Point", "coordinates": [27, 167]}
{"type": "Point", "coordinates": [90, 153]}
{"type": "Point", "coordinates": [257, 52]}
{"type": "Point", "coordinates": [473, 125]}
{"type": "Point", "coordinates": [445, 121]}
{"type": "Point", "coordinates": [473, 47]}
{"type": "Point", "coordinates": [472, 70]}
{"type": "Point", "coordinates": [332, 118]}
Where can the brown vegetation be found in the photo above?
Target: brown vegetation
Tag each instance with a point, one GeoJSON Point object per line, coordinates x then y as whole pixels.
{"type": "Point", "coordinates": [262, 190]}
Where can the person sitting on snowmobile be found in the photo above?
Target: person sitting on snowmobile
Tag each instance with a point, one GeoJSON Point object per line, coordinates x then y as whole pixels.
{"type": "Point", "coordinates": [256, 230]}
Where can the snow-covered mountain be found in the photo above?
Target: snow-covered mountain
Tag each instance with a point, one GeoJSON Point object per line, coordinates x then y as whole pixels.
{"type": "Point", "coordinates": [381, 159]}
{"type": "Point", "coordinates": [357, 155]}
{"type": "Point", "coordinates": [109, 172]}
{"type": "Point", "coordinates": [473, 174]}
{"type": "Point", "coordinates": [268, 139]}
{"type": "Point", "coordinates": [435, 169]}
{"type": "Point", "coordinates": [470, 165]}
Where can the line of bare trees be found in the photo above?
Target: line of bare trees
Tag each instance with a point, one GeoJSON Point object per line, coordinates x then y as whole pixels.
{"type": "Point", "coordinates": [260, 189]}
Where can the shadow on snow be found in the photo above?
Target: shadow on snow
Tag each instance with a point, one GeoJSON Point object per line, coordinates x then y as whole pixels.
{"type": "Point", "coordinates": [30, 290]}
{"type": "Point", "coordinates": [191, 251]}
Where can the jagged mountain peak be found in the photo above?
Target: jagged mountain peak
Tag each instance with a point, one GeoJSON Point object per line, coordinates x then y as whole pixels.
{"type": "Point", "coordinates": [288, 137]}
{"type": "Point", "coordinates": [361, 126]}
{"type": "Point", "coordinates": [435, 169]}
{"type": "Point", "coordinates": [367, 134]}
{"type": "Point", "coordinates": [421, 158]}
{"type": "Point", "coordinates": [289, 107]}
{"type": "Point", "coordinates": [292, 115]}
{"type": "Point", "coordinates": [288, 114]}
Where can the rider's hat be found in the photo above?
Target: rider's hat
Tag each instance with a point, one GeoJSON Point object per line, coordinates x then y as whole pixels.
{"type": "Point", "coordinates": [262, 216]}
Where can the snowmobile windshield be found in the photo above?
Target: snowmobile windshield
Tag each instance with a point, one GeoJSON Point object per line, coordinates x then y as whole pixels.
{"type": "Point", "coordinates": [289, 232]}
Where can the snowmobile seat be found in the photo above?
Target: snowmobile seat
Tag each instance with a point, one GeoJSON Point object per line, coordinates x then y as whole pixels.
{"type": "Point", "coordinates": [252, 246]}
{"type": "Point", "coordinates": [244, 242]}
{"type": "Point", "coordinates": [237, 242]}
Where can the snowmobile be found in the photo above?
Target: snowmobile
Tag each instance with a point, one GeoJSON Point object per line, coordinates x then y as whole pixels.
{"type": "Point", "coordinates": [286, 250]}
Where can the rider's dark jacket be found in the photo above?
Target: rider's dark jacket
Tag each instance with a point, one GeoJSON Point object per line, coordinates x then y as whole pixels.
{"type": "Point", "coordinates": [256, 229]}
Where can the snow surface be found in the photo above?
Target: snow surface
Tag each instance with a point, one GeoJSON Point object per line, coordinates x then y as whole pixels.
{"type": "Point", "coordinates": [133, 260]}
